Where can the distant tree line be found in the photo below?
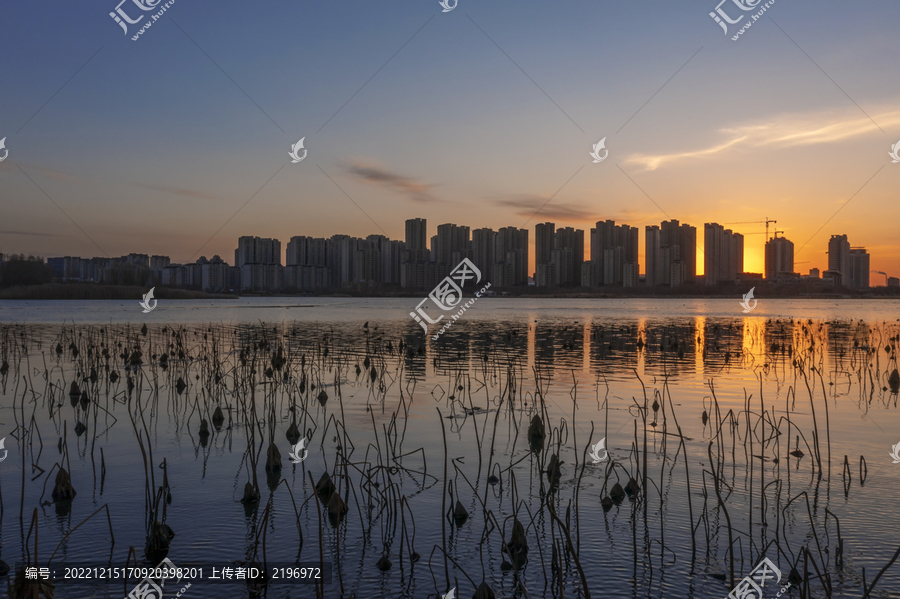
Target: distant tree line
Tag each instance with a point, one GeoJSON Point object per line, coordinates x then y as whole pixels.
{"type": "Point", "coordinates": [21, 270]}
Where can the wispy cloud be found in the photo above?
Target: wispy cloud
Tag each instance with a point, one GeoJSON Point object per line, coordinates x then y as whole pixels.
{"type": "Point", "coordinates": [188, 193]}
{"type": "Point", "coordinates": [378, 175]}
{"type": "Point", "coordinates": [50, 173]}
{"type": "Point", "coordinates": [527, 205]}
{"type": "Point", "coordinates": [29, 233]}
{"type": "Point", "coordinates": [58, 175]}
{"type": "Point", "coordinates": [783, 131]}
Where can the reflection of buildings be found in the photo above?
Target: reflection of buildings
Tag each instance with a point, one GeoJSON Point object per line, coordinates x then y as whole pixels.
{"type": "Point", "coordinates": [656, 349]}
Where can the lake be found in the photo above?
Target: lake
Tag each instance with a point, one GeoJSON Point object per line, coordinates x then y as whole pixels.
{"type": "Point", "coordinates": [718, 437]}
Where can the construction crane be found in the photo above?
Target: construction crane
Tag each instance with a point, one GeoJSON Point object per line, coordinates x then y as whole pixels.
{"type": "Point", "coordinates": [881, 272]}
{"type": "Point", "coordinates": [757, 222]}
{"type": "Point", "coordinates": [760, 233]}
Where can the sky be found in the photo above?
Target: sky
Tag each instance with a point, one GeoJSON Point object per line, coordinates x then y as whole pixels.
{"type": "Point", "coordinates": [177, 143]}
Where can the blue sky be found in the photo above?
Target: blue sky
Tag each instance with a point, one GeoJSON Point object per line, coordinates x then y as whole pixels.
{"type": "Point", "coordinates": [151, 147]}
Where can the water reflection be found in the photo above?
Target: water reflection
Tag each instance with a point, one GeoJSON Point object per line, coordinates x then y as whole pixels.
{"type": "Point", "coordinates": [492, 417]}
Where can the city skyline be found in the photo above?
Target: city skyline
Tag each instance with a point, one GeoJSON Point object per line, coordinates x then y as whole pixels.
{"type": "Point", "coordinates": [610, 258]}
{"type": "Point", "coordinates": [179, 142]}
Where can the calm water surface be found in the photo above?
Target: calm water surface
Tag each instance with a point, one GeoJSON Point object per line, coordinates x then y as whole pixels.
{"type": "Point", "coordinates": [808, 375]}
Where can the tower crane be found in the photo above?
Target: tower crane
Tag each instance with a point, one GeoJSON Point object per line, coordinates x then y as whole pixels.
{"type": "Point", "coordinates": [757, 222]}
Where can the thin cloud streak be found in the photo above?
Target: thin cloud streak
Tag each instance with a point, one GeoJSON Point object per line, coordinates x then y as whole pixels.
{"type": "Point", "coordinates": [378, 175]}
{"type": "Point", "coordinates": [66, 177]}
{"type": "Point", "coordinates": [188, 193]}
{"type": "Point", "coordinates": [525, 205]}
{"type": "Point", "coordinates": [30, 233]}
{"type": "Point", "coordinates": [785, 131]}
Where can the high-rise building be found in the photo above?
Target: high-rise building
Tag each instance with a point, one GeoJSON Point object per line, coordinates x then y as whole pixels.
{"type": "Point", "coordinates": [159, 262]}
{"type": "Point", "coordinates": [484, 245]}
{"type": "Point", "coordinates": [859, 269]}
{"type": "Point", "coordinates": [839, 256]}
{"type": "Point", "coordinates": [651, 255]}
{"type": "Point", "coordinates": [779, 257]}
{"type": "Point", "coordinates": [416, 234]}
{"type": "Point", "coordinates": [391, 261]}
{"type": "Point", "coordinates": [257, 250]}
{"type": "Point", "coordinates": [678, 263]}
{"type": "Point", "coordinates": [215, 275]}
{"type": "Point", "coordinates": [544, 242]}
{"type": "Point", "coordinates": [450, 246]}
{"type": "Point", "coordinates": [568, 255]}
{"type": "Point", "coordinates": [345, 265]}
{"type": "Point", "coordinates": [415, 265]}
{"type": "Point", "coordinates": [306, 251]}
{"type": "Point", "coordinates": [736, 254]}
{"type": "Point", "coordinates": [511, 258]}
{"type": "Point", "coordinates": [723, 254]}
{"type": "Point", "coordinates": [687, 241]}
{"type": "Point", "coordinates": [612, 247]}
{"type": "Point", "coordinates": [671, 254]}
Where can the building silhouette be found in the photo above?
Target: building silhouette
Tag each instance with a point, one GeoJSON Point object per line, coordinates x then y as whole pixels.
{"type": "Point", "coordinates": [416, 234]}
{"type": "Point", "coordinates": [723, 254]}
{"type": "Point", "coordinates": [544, 240]}
{"type": "Point", "coordinates": [614, 256]}
{"type": "Point", "coordinates": [567, 257]}
{"type": "Point", "coordinates": [839, 258]}
{"type": "Point", "coordinates": [511, 257]}
{"type": "Point", "coordinates": [502, 257]}
{"type": "Point", "coordinates": [450, 246]}
{"type": "Point", "coordinates": [859, 269]}
{"type": "Point", "coordinates": [671, 254]}
{"type": "Point", "coordinates": [257, 250]}
{"type": "Point", "coordinates": [779, 258]}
